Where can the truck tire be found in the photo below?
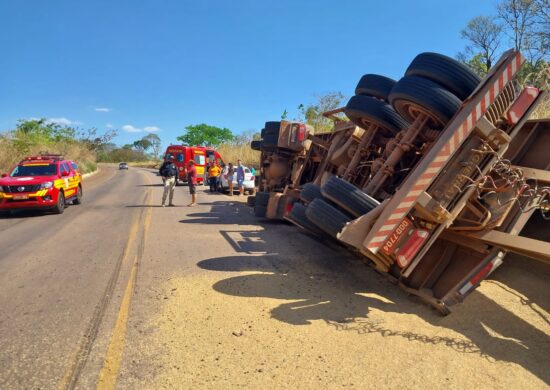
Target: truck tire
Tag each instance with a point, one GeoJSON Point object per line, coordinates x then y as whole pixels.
{"type": "Point", "coordinates": [348, 197]}
{"type": "Point", "coordinates": [298, 217]}
{"type": "Point", "coordinates": [364, 110]}
{"type": "Point", "coordinates": [412, 95]}
{"type": "Point", "coordinates": [326, 217]}
{"type": "Point", "coordinates": [256, 145]}
{"type": "Point", "coordinates": [271, 128]}
{"type": "Point", "coordinates": [448, 72]}
{"type": "Point", "coordinates": [260, 211]}
{"type": "Point", "coordinates": [262, 198]}
{"type": "Point", "coordinates": [375, 85]}
{"type": "Point", "coordinates": [310, 192]}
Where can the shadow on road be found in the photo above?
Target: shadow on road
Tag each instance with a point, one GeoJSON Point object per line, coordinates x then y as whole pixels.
{"type": "Point", "coordinates": [221, 213]}
{"type": "Point", "coordinates": [337, 288]}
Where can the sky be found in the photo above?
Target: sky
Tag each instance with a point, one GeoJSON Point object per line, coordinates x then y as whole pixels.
{"type": "Point", "coordinates": [141, 66]}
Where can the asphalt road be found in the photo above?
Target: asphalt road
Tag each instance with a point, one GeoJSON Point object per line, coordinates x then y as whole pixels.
{"type": "Point", "coordinates": [118, 292]}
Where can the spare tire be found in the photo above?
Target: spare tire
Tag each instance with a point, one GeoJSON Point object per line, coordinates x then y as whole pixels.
{"type": "Point", "coordinates": [412, 95]}
{"type": "Point", "coordinates": [326, 217]}
{"type": "Point", "coordinates": [348, 197]}
{"type": "Point", "coordinates": [375, 85]}
{"type": "Point", "coordinates": [458, 78]}
{"type": "Point", "coordinates": [364, 110]}
{"type": "Point", "coordinates": [310, 192]}
{"type": "Point", "coordinates": [256, 145]}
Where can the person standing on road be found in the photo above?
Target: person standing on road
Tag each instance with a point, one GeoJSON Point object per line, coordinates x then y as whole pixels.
{"type": "Point", "coordinates": [230, 177]}
{"type": "Point", "coordinates": [240, 176]}
{"type": "Point", "coordinates": [192, 182]}
{"type": "Point", "coordinates": [213, 176]}
{"type": "Point", "coordinates": [168, 171]}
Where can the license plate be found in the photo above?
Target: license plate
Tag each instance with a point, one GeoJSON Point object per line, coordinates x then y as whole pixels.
{"type": "Point", "coordinates": [20, 197]}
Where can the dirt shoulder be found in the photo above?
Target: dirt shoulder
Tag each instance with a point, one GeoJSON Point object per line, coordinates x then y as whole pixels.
{"type": "Point", "coordinates": [231, 303]}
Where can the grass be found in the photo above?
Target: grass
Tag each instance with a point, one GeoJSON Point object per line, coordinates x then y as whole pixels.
{"type": "Point", "coordinates": [232, 152]}
{"type": "Point", "coordinates": [152, 164]}
{"type": "Point", "coordinates": [10, 155]}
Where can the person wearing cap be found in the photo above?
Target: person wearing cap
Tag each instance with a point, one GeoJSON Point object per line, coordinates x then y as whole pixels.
{"type": "Point", "coordinates": [168, 171]}
{"type": "Point", "coordinates": [192, 182]}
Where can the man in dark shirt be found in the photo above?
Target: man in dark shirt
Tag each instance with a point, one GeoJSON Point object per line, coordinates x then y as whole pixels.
{"type": "Point", "coordinates": [192, 182]}
{"type": "Point", "coordinates": [168, 171]}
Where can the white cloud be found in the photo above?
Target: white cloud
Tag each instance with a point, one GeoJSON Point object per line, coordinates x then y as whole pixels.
{"type": "Point", "coordinates": [102, 109]}
{"type": "Point", "coordinates": [131, 129]}
{"type": "Point", "coordinates": [109, 125]}
{"type": "Point", "coordinates": [151, 129]}
{"type": "Point", "coordinates": [63, 121]}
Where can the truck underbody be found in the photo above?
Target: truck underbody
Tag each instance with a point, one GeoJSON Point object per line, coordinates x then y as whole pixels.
{"type": "Point", "coordinates": [433, 198]}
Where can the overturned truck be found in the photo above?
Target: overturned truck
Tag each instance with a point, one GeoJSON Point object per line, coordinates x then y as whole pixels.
{"type": "Point", "coordinates": [433, 177]}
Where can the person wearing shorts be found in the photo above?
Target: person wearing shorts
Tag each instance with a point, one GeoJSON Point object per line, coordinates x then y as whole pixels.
{"type": "Point", "coordinates": [240, 177]}
{"type": "Point", "coordinates": [192, 182]}
{"type": "Point", "coordinates": [230, 177]}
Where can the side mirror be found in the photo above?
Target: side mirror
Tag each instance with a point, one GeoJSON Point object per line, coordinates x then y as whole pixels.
{"type": "Point", "coordinates": [64, 173]}
{"type": "Point", "coordinates": [4, 175]}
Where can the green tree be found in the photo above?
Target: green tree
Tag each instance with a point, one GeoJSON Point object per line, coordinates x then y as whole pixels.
{"type": "Point", "coordinates": [475, 62]}
{"type": "Point", "coordinates": [154, 140]}
{"type": "Point", "coordinates": [312, 114]}
{"type": "Point", "coordinates": [527, 24]}
{"type": "Point", "coordinates": [205, 135]}
{"type": "Point", "coordinates": [484, 36]}
{"type": "Point", "coordinates": [142, 145]}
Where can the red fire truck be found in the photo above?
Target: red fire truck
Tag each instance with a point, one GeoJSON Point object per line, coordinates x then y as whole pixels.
{"type": "Point", "coordinates": [200, 154]}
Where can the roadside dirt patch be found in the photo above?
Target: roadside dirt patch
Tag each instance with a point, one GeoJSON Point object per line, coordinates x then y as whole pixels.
{"type": "Point", "coordinates": [285, 320]}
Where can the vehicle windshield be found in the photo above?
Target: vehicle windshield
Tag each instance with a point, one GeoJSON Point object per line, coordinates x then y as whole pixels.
{"type": "Point", "coordinates": [34, 170]}
{"type": "Point", "coordinates": [199, 159]}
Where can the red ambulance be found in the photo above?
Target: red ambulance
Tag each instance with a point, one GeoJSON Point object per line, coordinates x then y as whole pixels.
{"type": "Point", "coordinates": [200, 154]}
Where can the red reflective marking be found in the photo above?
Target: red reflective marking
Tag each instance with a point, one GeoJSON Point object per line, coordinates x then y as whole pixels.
{"type": "Point", "coordinates": [481, 274]}
{"type": "Point", "coordinates": [492, 94]}
{"type": "Point", "coordinates": [375, 244]}
{"type": "Point", "coordinates": [401, 210]}
{"type": "Point", "coordinates": [393, 221]}
{"type": "Point", "coordinates": [409, 198]}
{"type": "Point", "coordinates": [509, 71]}
{"type": "Point", "coordinates": [419, 187]}
{"type": "Point", "coordinates": [500, 83]}
{"type": "Point", "coordinates": [427, 176]}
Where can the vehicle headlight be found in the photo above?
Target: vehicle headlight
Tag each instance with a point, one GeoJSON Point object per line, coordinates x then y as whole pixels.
{"type": "Point", "coordinates": [47, 184]}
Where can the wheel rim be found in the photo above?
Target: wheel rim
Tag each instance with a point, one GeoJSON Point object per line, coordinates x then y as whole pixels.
{"type": "Point", "coordinates": [61, 201]}
{"type": "Point", "coordinates": [411, 111]}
